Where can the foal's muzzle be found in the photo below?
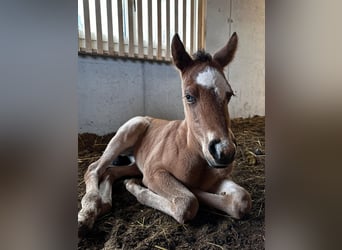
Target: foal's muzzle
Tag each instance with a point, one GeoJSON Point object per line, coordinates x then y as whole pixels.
{"type": "Point", "coordinates": [223, 152]}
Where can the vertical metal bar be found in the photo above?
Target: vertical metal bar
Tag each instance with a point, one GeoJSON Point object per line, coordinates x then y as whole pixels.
{"type": "Point", "coordinates": [140, 32]}
{"type": "Point", "coordinates": [87, 25]}
{"type": "Point", "coordinates": [98, 27]}
{"type": "Point", "coordinates": [184, 23]}
{"type": "Point", "coordinates": [150, 41]}
{"type": "Point", "coordinates": [120, 28]}
{"type": "Point", "coordinates": [130, 29]}
{"type": "Point", "coordinates": [192, 27]}
{"type": "Point", "coordinates": [167, 54]}
{"type": "Point", "coordinates": [176, 16]}
{"type": "Point", "coordinates": [159, 45]}
{"type": "Point", "coordinates": [199, 24]}
{"type": "Point", "coordinates": [110, 28]}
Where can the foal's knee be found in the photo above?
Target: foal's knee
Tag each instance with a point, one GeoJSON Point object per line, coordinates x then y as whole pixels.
{"type": "Point", "coordinates": [90, 170]}
{"type": "Point", "coordinates": [185, 208]}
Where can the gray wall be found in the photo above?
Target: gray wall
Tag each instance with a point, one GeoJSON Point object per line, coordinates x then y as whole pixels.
{"type": "Point", "coordinates": [111, 91]}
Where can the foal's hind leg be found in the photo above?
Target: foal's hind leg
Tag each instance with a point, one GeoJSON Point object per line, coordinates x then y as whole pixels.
{"type": "Point", "coordinates": [112, 174]}
{"type": "Point", "coordinates": [228, 197]}
{"type": "Point", "coordinates": [103, 202]}
{"type": "Point", "coordinates": [125, 138]}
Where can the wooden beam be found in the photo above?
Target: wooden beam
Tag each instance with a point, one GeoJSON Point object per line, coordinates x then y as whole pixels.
{"type": "Point", "coordinates": [204, 23]}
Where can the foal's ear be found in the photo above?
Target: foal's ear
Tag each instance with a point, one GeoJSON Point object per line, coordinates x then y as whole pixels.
{"type": "Point", "coordinates": [180, 57]}
{"type": "Point", "coordinates": [226, 54]}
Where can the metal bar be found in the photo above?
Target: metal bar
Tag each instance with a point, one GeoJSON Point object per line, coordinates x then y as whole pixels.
{"type": "Point", "coordinates": [159, 45]}
{"type": "Point", "coordinates": [130, 29]}
{"type": "Point", "coordinates": [184, 22]}
{"type": "Point", "coordinates": [120, 28]}
{"type": "Point", "coordinates": [110, 28]}
{"type": "Point", "coordinates": [192, 27]}
{"type": "Point", "coordinates": [176, 16]}
{"type": "Point", "coordinates": [140, 32]}
{"type": "Point", "coordinates": [199, 24]}
{"type": "Point", "coordinates": [150, 41]}
{"type": "Point", "coordinates": [167, 54]}
{"type": "Point", "coordinates": [98, 27]}
{"type": "Point", "coordinates": [87, 25]}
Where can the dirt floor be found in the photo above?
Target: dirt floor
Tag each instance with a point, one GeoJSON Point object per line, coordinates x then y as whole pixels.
{"type": "Point", "coordinates": [131, 225]}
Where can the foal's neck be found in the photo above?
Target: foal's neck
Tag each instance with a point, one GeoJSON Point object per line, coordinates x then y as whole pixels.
{"type": "Point", "coordinates": [191, 140]}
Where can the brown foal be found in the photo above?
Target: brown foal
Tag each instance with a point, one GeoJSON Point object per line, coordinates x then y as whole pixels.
{"type": "Point", "coordinates": [183, 163]}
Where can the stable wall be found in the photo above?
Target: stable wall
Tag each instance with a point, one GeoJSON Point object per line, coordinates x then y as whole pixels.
{"type": "Point", "coordinates": [246, 74]}
{"type": "Point", "coordinates": [111, 91]}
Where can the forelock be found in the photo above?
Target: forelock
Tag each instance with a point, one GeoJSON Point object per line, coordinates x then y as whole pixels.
{"type": "Point", "coordinates": [202, 56]}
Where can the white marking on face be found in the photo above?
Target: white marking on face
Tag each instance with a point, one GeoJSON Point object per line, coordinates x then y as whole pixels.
{"type": "Point", "coordinates": [205, 142]}
{"type": "Point", "coordinates": [211, 78]}
{"type": "Point", "coordinates": [211, 136]}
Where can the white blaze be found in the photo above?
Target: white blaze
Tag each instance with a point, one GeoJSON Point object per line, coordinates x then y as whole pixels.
{"type": "Point", "coordinates": [211, 78]}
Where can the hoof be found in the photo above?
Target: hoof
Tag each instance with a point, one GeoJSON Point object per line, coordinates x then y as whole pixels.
{"type": "Point", "coordinates": [242, 206]}
{"type": "Point", "coordinates": [83, 229]}
{"type": "Point", "coordinates": [91, 207]}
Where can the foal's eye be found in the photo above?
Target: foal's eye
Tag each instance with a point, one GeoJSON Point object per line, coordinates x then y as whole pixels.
{"type": "Point", "coordinates": [190, 98]}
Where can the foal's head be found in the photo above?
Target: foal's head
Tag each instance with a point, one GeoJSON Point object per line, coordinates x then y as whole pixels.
{"type": "Point", "coordinates": [206, 94]}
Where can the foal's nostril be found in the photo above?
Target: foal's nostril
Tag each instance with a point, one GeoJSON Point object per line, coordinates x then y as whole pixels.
{"type": "Point", "coordinates": [212, 148]}
{"type": "Point", "coordinates": [223, 153]}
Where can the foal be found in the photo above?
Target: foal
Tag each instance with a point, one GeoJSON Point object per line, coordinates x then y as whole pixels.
{"type": "Point", "coordinates": [182, 162]}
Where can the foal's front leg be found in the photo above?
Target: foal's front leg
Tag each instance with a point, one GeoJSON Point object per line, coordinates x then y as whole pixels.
{"type": "Point", "coordinates": [166, 194]}
{"type": "Point", "coordinates": [228, 197]}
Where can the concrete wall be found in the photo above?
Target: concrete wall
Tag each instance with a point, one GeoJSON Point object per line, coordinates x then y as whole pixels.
{"type": "Point", "coordinates": [246, 74]}
{"type": "Point", "coordinates": [113, 90]}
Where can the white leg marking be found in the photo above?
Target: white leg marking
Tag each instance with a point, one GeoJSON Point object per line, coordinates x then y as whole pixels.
{"type": "Point", "coordinates": [227, 187]}
{"type": "Point", "coordinates": [228, 197]}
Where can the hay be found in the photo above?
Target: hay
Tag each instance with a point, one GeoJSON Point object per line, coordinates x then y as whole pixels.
{"type": "Point", "coordinates": [131, 225]}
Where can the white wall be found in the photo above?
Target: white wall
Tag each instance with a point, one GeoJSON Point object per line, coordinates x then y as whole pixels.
{"type": "Point", "coordinates": [111, 91]}
{"type": "Point", "coordinates": [246, 73]}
